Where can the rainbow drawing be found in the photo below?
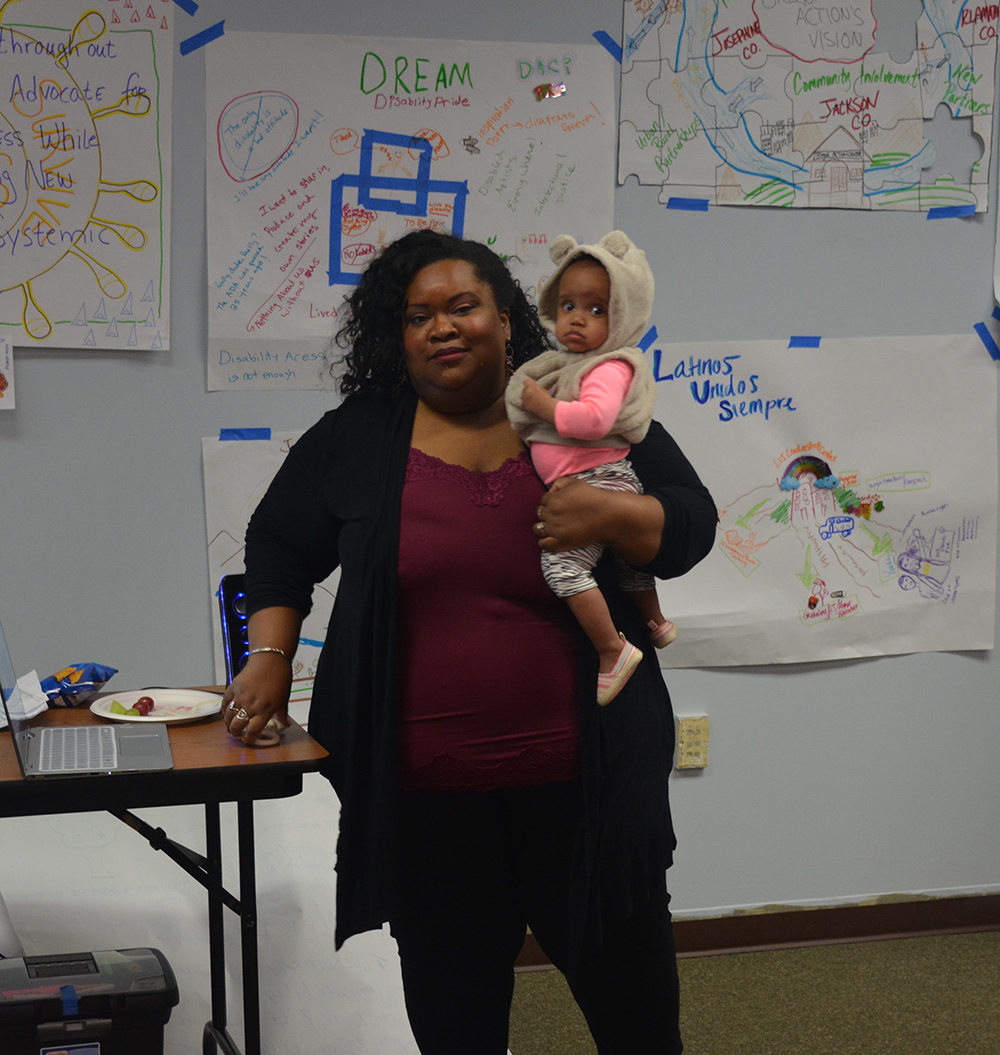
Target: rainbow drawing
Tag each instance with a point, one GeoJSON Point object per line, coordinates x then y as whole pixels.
{"type": "Point", "coordinates": [807, 465]}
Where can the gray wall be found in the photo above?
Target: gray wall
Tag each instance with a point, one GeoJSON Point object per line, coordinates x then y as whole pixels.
{"type": "Point", "coordinates": [826, 782]}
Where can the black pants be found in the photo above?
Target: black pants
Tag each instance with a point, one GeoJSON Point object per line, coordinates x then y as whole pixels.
{"type": "Point", "coordinates": [478, 868]}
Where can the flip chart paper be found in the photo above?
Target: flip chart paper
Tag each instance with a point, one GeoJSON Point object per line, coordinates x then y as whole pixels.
{"type": "Point", "coordinates": [85, 93]}
{"type": "Point", "coordinates": [857, 493]}
{"type": "Point", "coordinates": [800, 105]}
{"type": "Point", "coordinates": [321, 150]}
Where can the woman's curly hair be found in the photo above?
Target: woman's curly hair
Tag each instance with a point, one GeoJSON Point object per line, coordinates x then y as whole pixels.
{"type": "Point", "coordinates": [372, 334]}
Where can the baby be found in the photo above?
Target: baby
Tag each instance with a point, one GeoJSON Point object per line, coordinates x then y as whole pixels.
{"type": "Point", "coordinates": [579, 408]}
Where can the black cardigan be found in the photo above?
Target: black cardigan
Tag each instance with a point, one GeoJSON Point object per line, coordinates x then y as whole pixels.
{"type": "Point", "coordinates": [336, 500]}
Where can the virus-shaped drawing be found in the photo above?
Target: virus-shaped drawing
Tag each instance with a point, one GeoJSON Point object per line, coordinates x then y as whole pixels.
{"type": "Point", "coordinates": [52, 187]}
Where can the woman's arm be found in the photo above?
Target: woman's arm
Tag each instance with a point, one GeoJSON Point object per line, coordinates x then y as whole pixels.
{"type": "Point", "coordinates": [291, 544]}
{"type": "Point", "coordinates": [577, 514]}
{"type": "Point", "coordinates": [291, 539]}
{"type": "Point", "coordinates": [262, 687]}
{"type": "Point", "coordinates": [665, 531]}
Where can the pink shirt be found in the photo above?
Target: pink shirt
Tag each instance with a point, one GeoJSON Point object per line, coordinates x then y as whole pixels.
{"type": "Point", "coordinates": [602, 393]}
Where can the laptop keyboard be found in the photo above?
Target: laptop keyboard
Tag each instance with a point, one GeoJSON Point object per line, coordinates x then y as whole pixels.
{"type": "Point", "coordinates": [72, 748]}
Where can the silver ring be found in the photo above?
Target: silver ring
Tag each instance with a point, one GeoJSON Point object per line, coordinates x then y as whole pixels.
{"type": "Point", "coordinates": [242, 714]}
{"type": "Point", "coordinates": [232, 705]}
{"type": "Point", "coordinates": [539, 513]}
{"type": "Point", "coordinates": [540, 527]}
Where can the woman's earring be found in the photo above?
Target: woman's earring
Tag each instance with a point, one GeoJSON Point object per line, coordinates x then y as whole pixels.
{"type": "Point", "coordinates": [509, 353]}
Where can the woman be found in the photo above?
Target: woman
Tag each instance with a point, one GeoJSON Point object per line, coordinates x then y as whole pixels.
{"type": "Point", "coordinates": [471, 803]}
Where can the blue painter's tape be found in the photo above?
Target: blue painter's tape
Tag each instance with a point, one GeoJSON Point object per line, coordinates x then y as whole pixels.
{"type": "Point", "coordinates": [70, 1004]}
{"type": "Point", "coordinates": [648, 338]}
{"type": "Point", "coordinates": [804, 342]}
{"type": "Point", "coordinates": [244, 434]}
{"type": "Point", "coordinates": [692, 204]}
{"type": "Point", "coordinates": [408, 195]}
{"type": "Point", "coordinates": [187, 5]}
{"type": "Point", "coordinates": [943, 212]}
{"type": "Point", "coordinates": [996, 312]}
{"type": "Point", "coordinates": [610, 44]}
{"type": "Point", "coordinates": [206, 36]}
{"type": "Point", "coordinates": [987, 338]}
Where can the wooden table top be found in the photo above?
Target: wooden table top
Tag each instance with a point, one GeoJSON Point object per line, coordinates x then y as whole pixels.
{"type": "Point", "coordinates": [209, 765]}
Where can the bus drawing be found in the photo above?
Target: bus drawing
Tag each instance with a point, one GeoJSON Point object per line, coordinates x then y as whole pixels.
{"type": "Point", "coordinates": [836, 526]}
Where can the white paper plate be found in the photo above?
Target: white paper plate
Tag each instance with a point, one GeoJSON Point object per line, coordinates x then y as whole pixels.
{"type": "Point", "coordinates": [170, 705]}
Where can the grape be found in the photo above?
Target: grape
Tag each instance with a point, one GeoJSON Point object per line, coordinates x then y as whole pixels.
{"type": "Point", "coordinates": [144, 705]}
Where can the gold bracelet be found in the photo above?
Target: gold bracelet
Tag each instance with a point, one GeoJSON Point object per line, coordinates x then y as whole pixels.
{"type": "Point", "coordinates": [271, 648]}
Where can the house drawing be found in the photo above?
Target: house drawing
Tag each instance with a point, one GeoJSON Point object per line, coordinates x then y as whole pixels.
{"type": "Point", "coordinates": [837, 172]}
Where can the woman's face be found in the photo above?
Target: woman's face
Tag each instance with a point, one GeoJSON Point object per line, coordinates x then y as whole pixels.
{"type": "Point", "coordinates": [454, 337]}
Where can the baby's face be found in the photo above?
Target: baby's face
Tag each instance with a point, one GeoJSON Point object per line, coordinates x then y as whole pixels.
{"type": "Point", "coordinates": [582, 316]}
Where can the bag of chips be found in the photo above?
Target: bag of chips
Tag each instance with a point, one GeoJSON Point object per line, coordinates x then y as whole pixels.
{"type": "Point", "coordinates": [76, 684]}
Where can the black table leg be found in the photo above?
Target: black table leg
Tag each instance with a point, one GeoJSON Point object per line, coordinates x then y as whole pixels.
{"type": "Point", "coordinates": [216, 1037]}
{"type": "Point", "coordinates": [248, 916]}
{"type": "Point", "coordinates": [216, 930]}
{"type": "Point", "coordinates": [208, 871]}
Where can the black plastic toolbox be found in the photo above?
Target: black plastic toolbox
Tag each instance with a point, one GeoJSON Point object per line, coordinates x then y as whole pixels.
{"type": "Point", "coordinates": [86, 1003]}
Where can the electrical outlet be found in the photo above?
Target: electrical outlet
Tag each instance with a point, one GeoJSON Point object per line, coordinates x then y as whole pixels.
{"type": "Point", "coordinates": [692, 742]}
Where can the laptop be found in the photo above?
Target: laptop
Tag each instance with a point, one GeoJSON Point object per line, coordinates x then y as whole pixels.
{"type": "Point", "coordinates": [78, 750]}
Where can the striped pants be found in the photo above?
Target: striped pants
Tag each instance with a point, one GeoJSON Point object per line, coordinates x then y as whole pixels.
{"type": "Point", "coordinates": [571, 572]}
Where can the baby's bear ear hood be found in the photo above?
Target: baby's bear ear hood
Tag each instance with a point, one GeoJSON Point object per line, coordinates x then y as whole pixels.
{"type": "Point", "coordinates": [631, 285]}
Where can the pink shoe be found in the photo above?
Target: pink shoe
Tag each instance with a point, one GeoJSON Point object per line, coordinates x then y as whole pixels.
{"type": "Point", "coordinates": [612, 683]}
{"type": "Point", "coordinates": [661, 635]}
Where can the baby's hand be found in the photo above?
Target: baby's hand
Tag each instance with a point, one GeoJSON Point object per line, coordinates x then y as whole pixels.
{"type": "Point", "coordinates": [535, 400]}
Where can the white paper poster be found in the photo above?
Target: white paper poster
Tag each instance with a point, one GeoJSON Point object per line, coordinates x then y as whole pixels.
{"type": "Point", "coordinates": [857, 492]}
{"type": "Point", "coordinates": [792, 104]}
{"type": "Point", "coordinates": [85, 92]}
{"type": "Point", "coordinates": [237, 473]}
{"type": "Point", "coordinates": [323, 149]}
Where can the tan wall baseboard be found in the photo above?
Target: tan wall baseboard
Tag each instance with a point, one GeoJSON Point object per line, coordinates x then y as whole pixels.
{"type": "Point", "coordinates": [786, 929]}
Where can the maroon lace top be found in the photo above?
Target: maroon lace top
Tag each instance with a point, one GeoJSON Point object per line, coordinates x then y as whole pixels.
{"type": "Point", "coordinates": [487, 671]}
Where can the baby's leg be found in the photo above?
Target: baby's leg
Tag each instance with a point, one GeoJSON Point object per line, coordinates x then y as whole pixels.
{"type": "Point", "coordinates": [648, 603]}
{"type": "Point", "coordinates": [620, 476]}
{"type": "Point", "coordinates": [591, 611]}
{"type": "Point", "coordinates": [569, 576]}
{"type": "Point", "coordinates": [642, 589]}
{"type": "Point", "coordinates": [661, 630]}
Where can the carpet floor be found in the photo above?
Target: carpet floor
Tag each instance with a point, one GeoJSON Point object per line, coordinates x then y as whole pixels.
{"type": "Point", "coordinates": [914, 996]}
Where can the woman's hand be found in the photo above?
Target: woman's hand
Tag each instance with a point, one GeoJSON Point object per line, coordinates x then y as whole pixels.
{"type": "Point", "coordinates": [576, 514]}
{"type": "Point", "coordinates": [535, 400]}
{"type": "Point", "coordinates": [261, 689]}
{"type": "Point", "coordinates": [257, 694]}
